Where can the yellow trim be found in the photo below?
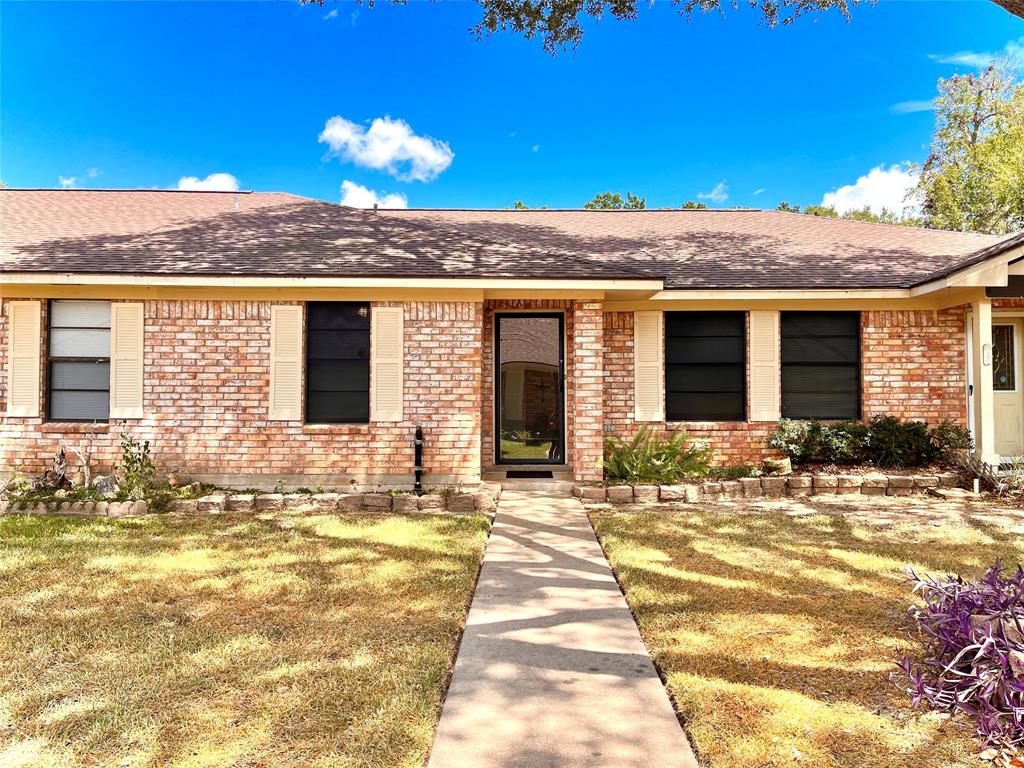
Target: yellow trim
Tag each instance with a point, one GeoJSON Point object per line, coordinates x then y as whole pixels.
{"type": "Point", "coordinates": [421, 283]}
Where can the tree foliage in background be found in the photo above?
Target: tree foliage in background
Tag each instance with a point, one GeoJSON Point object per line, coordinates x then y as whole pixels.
{"type": "Point", "coordinates": [693, 205]}
{"type": "Point", "coordinates": [973, 180]}
{"type": "Point", "coordinates": [559, 23]}
{"type": "Point", "coordinates": [613, 201]}
{"type": "Point", "coordinates": [859, 214]}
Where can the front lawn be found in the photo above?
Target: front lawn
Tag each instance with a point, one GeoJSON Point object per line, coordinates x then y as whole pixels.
{"type": "Point", "coordinates": [776, 633]}
{"type": "Point", "coordinates": [229, 641]}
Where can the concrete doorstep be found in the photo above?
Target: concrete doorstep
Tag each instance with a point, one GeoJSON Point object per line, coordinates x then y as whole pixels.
{"type": "Point", "coordinates": [552, 670]}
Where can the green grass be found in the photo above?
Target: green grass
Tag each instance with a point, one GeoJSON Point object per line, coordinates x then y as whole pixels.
{"type": "Point", "coordinates": [229, 641]}
{"type": "Point", "coordinates": [777, 634]}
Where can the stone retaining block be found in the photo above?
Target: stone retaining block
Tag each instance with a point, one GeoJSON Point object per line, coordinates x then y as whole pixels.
{"type": "Point", "coordinates": [377, 502]}
{"type": "Point", "coordinates": [873, 484]}
{"type": "Point", "coordinates": [240, 502]}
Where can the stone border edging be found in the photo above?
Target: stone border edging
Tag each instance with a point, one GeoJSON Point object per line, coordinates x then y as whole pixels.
{"type": "Point", "coordinates": [752, 487]}
{"type": "Point", "coordinates": [484, 499]}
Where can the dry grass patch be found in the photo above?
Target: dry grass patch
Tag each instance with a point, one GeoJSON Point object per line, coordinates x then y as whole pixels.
{"type": "Point", "coordinates": [776, 633]}
{"type": "Point", "coordinates": [229, 641]}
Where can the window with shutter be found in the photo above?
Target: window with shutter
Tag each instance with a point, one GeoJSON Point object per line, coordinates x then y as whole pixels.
{"type": "Point", "coordinates": [23, 351]}
{"type": "Point", "coordinates": [337, 363]}
{"type": "Point", "coordinates": [387, 399]}
{"type": "Point", "coordinates": [79, 361]}
{"type": "Point", "coordinates": [285, 363]}
{"type": "Point", "coordinates": [705, 366]}
{"type": "Point", "coordinates": [648, 364]}
{"type": "Point", "coordinates": [765, 398]}
{"type": "Point", "coordinates": [820, 365]}
{"type": "Point", "coordinates": [126, 355]}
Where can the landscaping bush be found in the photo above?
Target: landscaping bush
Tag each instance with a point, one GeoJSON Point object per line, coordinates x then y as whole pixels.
{"type": "Point", "coordinates": [973, 655]}
{"type": "Point", "coordinates": [136, 466]}
{"type": "Point", "coordinates": [884, 441]}
{"type": "Point", "coordinates": [655, 458]}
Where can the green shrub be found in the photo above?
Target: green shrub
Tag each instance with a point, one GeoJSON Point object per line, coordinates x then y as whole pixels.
{"type": "Point", "coordinates": [655, 458]}
{"type": "Point", "coordinates": [884, 441]}
{"type": "Point", "coordinates": [135, 468]}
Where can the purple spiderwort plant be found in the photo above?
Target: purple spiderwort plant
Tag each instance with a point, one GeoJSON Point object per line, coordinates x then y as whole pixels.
{"type": "Point", "coordinates": [972, 659]}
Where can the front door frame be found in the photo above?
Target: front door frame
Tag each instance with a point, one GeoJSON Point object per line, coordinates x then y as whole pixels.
{"type": "Point", "coordinates": [999, 317]}
{"type": "Point", "coordinates": [498, 315]}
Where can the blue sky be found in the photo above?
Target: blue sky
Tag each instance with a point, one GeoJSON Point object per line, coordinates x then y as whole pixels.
{"type": "Point", "coordinates": [142, 95]}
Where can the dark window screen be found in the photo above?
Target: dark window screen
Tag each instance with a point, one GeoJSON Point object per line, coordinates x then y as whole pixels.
{"type": "Point", "coordinates": [821, 365]}
{"type": "Point", "coordinates": [337, 363]}
{"type": "Point", "coordinates": [705, 366]}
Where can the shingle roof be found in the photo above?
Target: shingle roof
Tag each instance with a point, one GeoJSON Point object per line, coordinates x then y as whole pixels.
{"type": "Point", "coordinates": [226, 233]}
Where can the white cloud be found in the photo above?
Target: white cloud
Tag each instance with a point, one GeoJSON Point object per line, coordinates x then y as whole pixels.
{"type": "Point", "coordinates": [332, 15]}
{"type": "Point", "coordinates": [67, 182]}
{"type": "Point", "coordinates": [387, 145]}
{"type": "Point", "coordinates": [758, 191]}
{"type": "Point", "coordinates": [719, 194]}
{"type": "Point", "coordinates": [535, 147]}
{"type": "Point", "coordinates": [1013, 51]}
{"type": "Point", "coordinates": [880, 188]}
{"type": "Point", "coordinates": [358, 196]}
{"type": "Point", "coordinates": [92, 173]}
{"type": "Point", "coordinates": [215, 182]}
{"type": "Point", "coordinates": [906, 107]}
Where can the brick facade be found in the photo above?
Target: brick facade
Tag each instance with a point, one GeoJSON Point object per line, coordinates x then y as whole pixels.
{"type": "Point", "coordinates": [207, 385]}
{"type": "Point", "coordinates": [913, 366]}
{"type": "Point", "coordinates": [206, 395]}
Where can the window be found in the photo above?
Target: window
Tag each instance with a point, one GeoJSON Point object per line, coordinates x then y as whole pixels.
{"type": "Point", "coordinates": [337, 363]}
{"type": "Point", "coordinates": [820, 365]}
{"type": "Point", "coordinates": [1004, 363]}
{"type": "Point", "coordinates": [79, 361]}
{"type": "Point", "coordinates": [705, 366]}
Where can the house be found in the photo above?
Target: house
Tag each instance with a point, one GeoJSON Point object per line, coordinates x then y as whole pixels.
{"type": "Point", "coordinates": [257, 336]}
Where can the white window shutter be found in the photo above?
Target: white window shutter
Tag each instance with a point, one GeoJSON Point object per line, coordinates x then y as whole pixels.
{"type": "Point", "coordinates": [648, 366]}
{"type": "Point", "coordinates": [387, 354]}
{"type": "Point", "coordinates": [765, 373]}
{"type": "Point", "coordinates": [127, 321]}
{"type": "Point", "coordinates": [285, 362]}
{"type": "Point", "coordinates": [24, 343]}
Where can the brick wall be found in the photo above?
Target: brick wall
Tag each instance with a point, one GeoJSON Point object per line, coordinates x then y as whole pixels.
{"type": "Point", "coordinates": [588, 377]}
{"type": "Point", "coordinates": [206, 397]}
{"type": "Point", "coordinates": [913, 367]}
{"type": "Point", "coordinates": [914, 364]}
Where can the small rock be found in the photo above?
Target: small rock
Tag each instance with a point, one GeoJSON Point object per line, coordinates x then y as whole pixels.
{"type": "Point", "coordinates": [799, 485]}
{"type": "Point", "coordinates": [462, 503]}
{"type": "Point", "coordinates": [182, 507]}
{"type": "Point", "coordinates": [825, 484]}
{"type": "Point", "coordinates": [105, 484]}
{"type": "Point", "coordinates": [430, 502]}
{"type": "Point", "coordinates": [212, 504]}
{"type": "Point", "coordinates": [751, 487]}
{"type": "Point", "coordinates": [377, 502]}
{"type": "Point", "coordinates": [645, 494]}
{"type": "Point", "coordinates": [325, 502]}
{"type": "Point", "coordinates": [269, 502]}
{"type": "Point", "coordinates": [773, 486]}
{"type": "Point", "coordinates": [731, 489]}
{"type": "Point", "coordinates": [139, 508]}
{"type": "Point", "coordinates": [687, 492]}
{"type": "Point", "coordinates": [404, 503]}
{"type": "Point", "coordinates": [240, 502]}
{"type": "Point", "coordinates": [620, 494]}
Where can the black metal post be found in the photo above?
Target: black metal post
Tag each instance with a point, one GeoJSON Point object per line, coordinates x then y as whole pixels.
{"type": "Point", "coordinates": [418, 485]}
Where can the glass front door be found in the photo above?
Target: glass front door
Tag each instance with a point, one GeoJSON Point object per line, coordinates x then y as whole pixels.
{"type": "Point", "coordinates": [529, 388]}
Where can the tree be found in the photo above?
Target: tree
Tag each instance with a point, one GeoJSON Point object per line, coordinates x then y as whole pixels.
{"type": "Point", "coordinates": [787, 208]}
{"type": "Point", "coordinates": [859, 214]}
{"type": "Point", "coordinates": [613, 201]}
{"type": "Point", "coordinates": [559, 22]}
{"type": "Point", "coordinates": [693, 205]}
{"type": "Point", "coordinates": [519, 205]}
{"type": "Point", "coordinates": [973, 180]}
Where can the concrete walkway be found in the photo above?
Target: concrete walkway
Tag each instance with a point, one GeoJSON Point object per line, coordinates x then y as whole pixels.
{"type": "Point", "coordinates": [552, 670]}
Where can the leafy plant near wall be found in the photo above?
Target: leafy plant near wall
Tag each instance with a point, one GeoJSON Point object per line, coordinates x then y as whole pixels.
{"type": "Point", "coordinates": [655, 458]}
{"type": "Point", "coordinates": [884, 441]}
{"type": "Point", "coordinates": [136, 466]}
{"type": "Point", "coordinates": [972, 659]}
